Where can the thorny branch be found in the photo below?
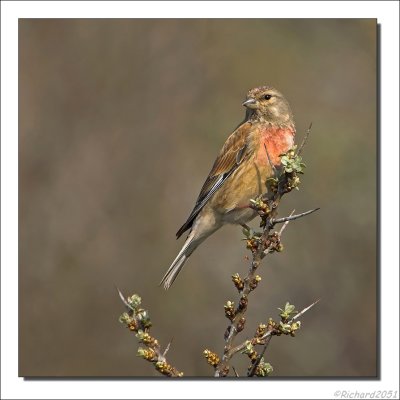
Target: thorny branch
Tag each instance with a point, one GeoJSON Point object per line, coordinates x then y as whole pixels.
{"type": "Point", "coordinates": [303, 143]}
{"type": "Point", "coordinates": [293, 217]}
{"type": "Point", "coordinates": [276, 329]}
{"type": "Point", "coordinates": [268, 241]}
{"type": "Point", "coordinates": [253, 368]}
{"type": "Point", "coordinates": [137, 320]}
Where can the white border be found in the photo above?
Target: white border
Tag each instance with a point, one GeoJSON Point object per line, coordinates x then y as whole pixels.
{"type": "Point", "coordinates": [387, 15]}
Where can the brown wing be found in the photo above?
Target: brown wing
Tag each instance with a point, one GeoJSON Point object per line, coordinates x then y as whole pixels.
{"type": "Point", "coordinates": [231, 155]}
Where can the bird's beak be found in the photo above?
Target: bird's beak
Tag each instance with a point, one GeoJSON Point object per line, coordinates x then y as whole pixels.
{"type": "Point", "coordinates": [250, 103]}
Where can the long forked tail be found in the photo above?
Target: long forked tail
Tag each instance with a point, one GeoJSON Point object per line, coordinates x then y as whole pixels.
{"type": "Point", "coordinates": [179, 262]}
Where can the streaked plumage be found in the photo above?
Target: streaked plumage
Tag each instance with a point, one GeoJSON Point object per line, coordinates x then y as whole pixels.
{"type": "Point", "coordinates": [239, 172]}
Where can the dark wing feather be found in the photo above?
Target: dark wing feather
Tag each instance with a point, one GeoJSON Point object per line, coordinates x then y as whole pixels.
{"type": "Point", "coordinates": [229, 158]}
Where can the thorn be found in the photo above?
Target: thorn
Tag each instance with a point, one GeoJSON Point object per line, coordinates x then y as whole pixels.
{"type": "Point", "coordinates": [286, 223]}
{"type": "Point", "coordinates": [305, 310]}
{"type": "Point", "coordinates": [260, 356]}
{"type": "Point", "coordinates": [293, 217]}
{"type": "Point", "coordinates": [124, 300]}
{"type": "Point", "coordinates": [304, 140]}
{"type": "Point", "coordinates": [298, 315]}
{"type": "Point", "coordinates": [167, 348]}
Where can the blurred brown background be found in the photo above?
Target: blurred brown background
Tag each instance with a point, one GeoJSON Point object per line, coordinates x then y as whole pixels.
{"type": "Point", "coordinates": [120, 121]}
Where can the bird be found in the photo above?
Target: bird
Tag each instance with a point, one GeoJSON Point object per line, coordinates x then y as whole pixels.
{"type": "Point", "coordinates": [247, 159]}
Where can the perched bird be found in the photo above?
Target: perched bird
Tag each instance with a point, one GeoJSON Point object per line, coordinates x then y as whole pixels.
{"type": "Point", "coordinates": [240, 171]}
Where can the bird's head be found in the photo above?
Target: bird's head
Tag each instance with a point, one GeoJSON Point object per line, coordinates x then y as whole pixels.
{"type": "Point", "coordinates": [267, 104]}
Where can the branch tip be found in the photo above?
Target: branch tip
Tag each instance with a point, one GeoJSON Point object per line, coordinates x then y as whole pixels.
{"type": "Point", "coordinates": [123, 299]}
{"type": "Point", "coordinates": [303, 143]}
{"type": "Point", "coordinates": [167, 348]}
{"type": "Point", "coordinates": [304, 310]}
{"type": "Point", "coordinates": [293, 217]}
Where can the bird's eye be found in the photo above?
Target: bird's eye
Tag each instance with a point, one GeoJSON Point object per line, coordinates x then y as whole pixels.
{"type": "Point", "coordinates": [267, 96]}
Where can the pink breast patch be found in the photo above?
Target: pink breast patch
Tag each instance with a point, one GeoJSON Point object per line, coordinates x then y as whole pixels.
{"type": "Point", "coordinates": [277, 141]}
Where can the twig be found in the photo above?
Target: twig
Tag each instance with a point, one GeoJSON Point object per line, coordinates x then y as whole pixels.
{"type": "Point", "coordinates": [286, 223]}
{"type": "Point", "coordinates": [129, 308]}
{"type": "Point", "coordinates": [271, 332]}
{"type": "Point", "coordinates": [292, 217]}
{"type": "Point", "coordinates": [304, 140]}
{"type": "Point", "coordinates": [249, 284]}
{"type": "Point", "coordinates": [298, 315]}
{"type": "Point", "coordinates": [269, 242]}
{"type": "Point", "coordinates": [222, 369]}
{"type": "Point", "coordinates": [304, 310]}
{"type": "Point", "coordinates": [167, 348]}
{"type": "Point", "coordinates": [259, 358]}
{"type": "Point", "coordinates": [137, 320]}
